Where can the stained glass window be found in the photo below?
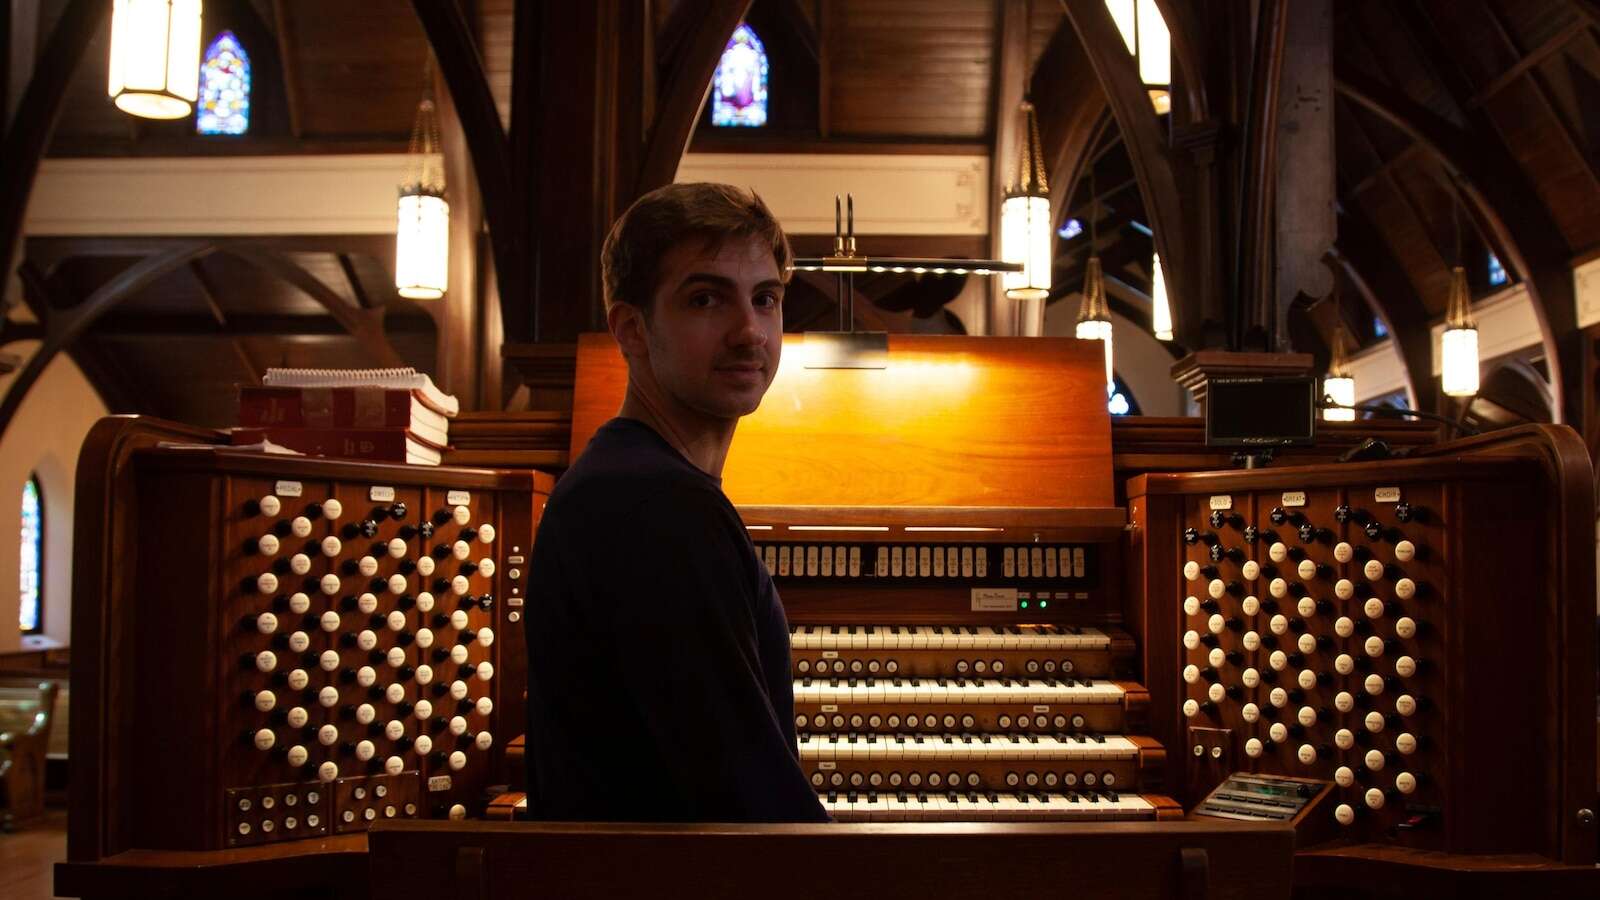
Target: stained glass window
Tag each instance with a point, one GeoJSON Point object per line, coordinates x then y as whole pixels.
{"type": "Point", "coordinates": [1497, 272]}
{"type": "Point", "coordinates": [739, 88]}
{"type": "Point", "coordinates": [1378, 328]}
{"type": "Point", "coordinates": [224, 88]}
{"type": "Point", "coordinates": [32, 555]}
{"type": "Point", "coordinates": [1121, 402]}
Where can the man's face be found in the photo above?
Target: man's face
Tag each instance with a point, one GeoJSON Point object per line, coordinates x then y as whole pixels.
{"type": "Point", "coordinates": [715, 330]}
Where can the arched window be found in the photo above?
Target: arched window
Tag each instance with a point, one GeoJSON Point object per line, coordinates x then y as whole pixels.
{"type": "Point", "coordinates": [1497, 272]}
{"type": "Point", "coordinates": [739, 88]}
{"type": "Point", "coordinates": [32, 556]}
{"type": "Point", "coordinates": [224, 88]}
{"type": "Point", "coordinates": [1121, 402]}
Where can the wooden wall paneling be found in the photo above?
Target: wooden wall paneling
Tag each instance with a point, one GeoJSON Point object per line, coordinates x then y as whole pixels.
{"type": "Point", "coordinates": [1024, 405]}
{"type": "Point", "coordinates": [1146, 148]}
{"type": "Point", "coordinates": [926, 75]}
{"type": "Point", "coordinates": [1496, 194]}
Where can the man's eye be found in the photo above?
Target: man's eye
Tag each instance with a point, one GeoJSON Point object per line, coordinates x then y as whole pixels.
{"type": "Point", "coordinates": [768, 301]}
{"type": "Point", "coordinates": [702, 300]}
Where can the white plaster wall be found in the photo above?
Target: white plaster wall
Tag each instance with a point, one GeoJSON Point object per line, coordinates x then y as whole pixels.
{"type": "Point", "coordinates": [43, 439]}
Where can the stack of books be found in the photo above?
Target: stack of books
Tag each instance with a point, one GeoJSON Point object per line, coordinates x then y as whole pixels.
{"type": "Point", "coordinates": [392, 415]}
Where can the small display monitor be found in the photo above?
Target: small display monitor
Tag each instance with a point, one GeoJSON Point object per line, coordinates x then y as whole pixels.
{"type": "Point", "coordinates": [1276, 411]}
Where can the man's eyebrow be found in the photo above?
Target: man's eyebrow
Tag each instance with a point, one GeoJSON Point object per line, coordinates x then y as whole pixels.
{"type": "Point", "coordinates": [724, 282]}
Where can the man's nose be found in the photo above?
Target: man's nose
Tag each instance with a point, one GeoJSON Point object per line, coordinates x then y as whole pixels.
{"type": "Point", "coordinates": [747, 328]}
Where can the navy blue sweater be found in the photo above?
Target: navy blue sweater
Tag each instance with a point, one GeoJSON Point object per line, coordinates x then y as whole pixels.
{"type": "Point", "coordinates": [658, 651]}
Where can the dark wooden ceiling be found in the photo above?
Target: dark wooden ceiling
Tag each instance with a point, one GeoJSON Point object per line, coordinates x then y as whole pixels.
{"type": "Point", "coordinates": [851, 74]}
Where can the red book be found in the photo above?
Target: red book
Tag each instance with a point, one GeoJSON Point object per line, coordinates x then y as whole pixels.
{"type": "Point", "coordinates": [340, 407]}
{"type": "Point", "coordinates": [383, 444]}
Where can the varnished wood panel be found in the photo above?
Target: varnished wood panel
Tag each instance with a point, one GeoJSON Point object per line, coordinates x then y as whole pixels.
{"type": "Point", "coordinates": [953, 421]}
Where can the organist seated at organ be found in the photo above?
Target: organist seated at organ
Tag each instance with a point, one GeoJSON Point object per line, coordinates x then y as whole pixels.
{"type": "Point", "coordinates": [659, 683]}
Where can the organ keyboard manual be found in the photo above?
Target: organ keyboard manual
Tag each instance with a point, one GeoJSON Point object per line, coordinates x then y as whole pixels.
{"type": "Point", "coordinates": [1004, 609]}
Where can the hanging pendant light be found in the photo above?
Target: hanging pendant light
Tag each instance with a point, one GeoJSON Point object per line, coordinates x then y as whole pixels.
{"type": "Point", "coordinates": [1338, 386]}
{"type": "Point", "coordinates": [1147, 38]}
{"type": "Point", "coordinates": [1459, 345]}
{"type": "Point", "coordinates": [1161, 312]}
{"type": "Point", "coordinates": [422, 245]}
{"type": "Point", "coordinates": [1025, 232]}
{"type": "Point", "coordinates": [1094, 317]}
{"type": "Point", "coordinates": [155, 57]}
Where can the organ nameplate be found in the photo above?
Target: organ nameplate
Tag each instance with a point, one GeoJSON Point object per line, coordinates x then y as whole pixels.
{"type": "Point", "coordinates": [1294, 498]}
{"type": "Point", "coordinates": [439, 783]}
{"type": "Point", "coordinates": [379, 493]}
{"type": "Point", "coordinates": [1386, 495]}
{"type": "Point", "coordinates": [994, 599]}
{"type": "Point", "coordinates": [1222, 501]}
{"type": "Point", "coordinates": [287, 489]}
{"type": "Point", "coordinates": [458, 498]}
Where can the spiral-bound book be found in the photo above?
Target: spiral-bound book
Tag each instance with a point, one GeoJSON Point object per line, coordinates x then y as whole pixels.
{"type": "Point", "coordinates": [400, 378]}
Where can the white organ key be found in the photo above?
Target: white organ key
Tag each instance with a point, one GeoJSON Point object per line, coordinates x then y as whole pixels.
{"type": "Point", "coordinates": [980, 562]}
{"type": "Point", "coordinates": [461, 515]}
{"type": "Point", "coordinates": [332, 509]}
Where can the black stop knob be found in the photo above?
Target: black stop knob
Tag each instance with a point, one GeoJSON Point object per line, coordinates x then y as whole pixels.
{"type": "Point", "coordinates": [1405, 512]}
{"type": "Point", "coordinates": [1251, 533]}
{"type": "Point", "coordinates": [425, 529]}
{"type": "Point", "coordinates": [397, 510]}
{"type": "Point", "coordinates": [1308, 533]}
{"type": "Point", "coordinates": [486, 602]}
{"type": "Point", "coordinates": [369, 528]}
{"type": "Point", "coordinates": [1278, 515]}
{"type": "Point", "coordinates": [1191, 536]}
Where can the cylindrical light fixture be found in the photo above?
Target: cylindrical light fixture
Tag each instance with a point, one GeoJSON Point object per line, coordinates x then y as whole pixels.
{"type": "Point", "coordinates": [1161, 309]}
{"type": "Point", "coordinates": [1338, 386]}
{"type": "Point", "coordinates": [1147, 38]}
{"type": "Point", "coordinates": [422, 234]}
{"type": "Point", "coordinates": [155, 57]}
{"type": "Point", "coordinates": [1459, 345]}
{"type": "Point", "coordinates": [1094, 317]}
{"type": "Point", "coordinates": [1026, 234]}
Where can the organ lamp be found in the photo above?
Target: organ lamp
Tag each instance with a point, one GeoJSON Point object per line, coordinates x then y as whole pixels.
{"type": "Point", "coordinates": [1459, 344]}
{"type": "Point", "coordinates": [1161, 308]}
{"type": "Point", "coordinates": [1094, 318]}
{"type": "Point", "coordinates": [155, 57]}
{"type": "Point", "coordinates": [1025, 218]}
{"type": "Point", "coordinates": [1338, 386]}
{"type": "Point", "coordinates": [422, 234]}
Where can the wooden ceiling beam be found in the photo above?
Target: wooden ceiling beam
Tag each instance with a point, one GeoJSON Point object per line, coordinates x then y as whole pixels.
{"type": "Point", "coordinates": [365, 325]}
{"type": "Point", "coordinates": [1147, 149]}
{"type": "Point", "coordinates": [1495, 190]}
{"type": "Point", "coordinates": [253, 370]}
{"type": "Point", "coordinates": [1534, 57]}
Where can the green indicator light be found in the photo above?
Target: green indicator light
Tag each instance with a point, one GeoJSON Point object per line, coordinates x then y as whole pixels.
{"type": "Point", "coordinates": [1043, 603]}
{"type": "Point", "coordinates": [1024, 604]}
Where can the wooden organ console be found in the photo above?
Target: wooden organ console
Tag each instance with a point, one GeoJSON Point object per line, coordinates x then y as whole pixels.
{"type": "Point", "coordinates": [1005, 613]}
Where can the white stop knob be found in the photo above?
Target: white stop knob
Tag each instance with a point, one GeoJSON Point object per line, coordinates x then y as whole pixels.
{"type": "Point", "coordinates": [1405, 783]}
{"type": "Point", "coordinates": [1250, 712]}
{"type": "Point", "coordinates": [365, 750]}
{"type": "Point", "coordinates": [1373, 608]}
{"type": "Point", "coordinates": [486, 567]}
{"type": "Point", "coordinates": [1191, 639]}
{"type": "Point", "coordinates": [329, 660]}
{"type": "Point", "coordinates": [425, 602]}
{"type": "Point", "coordinates": [461, 515]}
{"type": "Point", "coordinates": [486, 706]}
{"type": "Point", "coordinates": [483, 740]}
{"type": "Point", "coordinates": [423, 745]}
{"type": "Point", "coordinates": [266, 700]}
{"type": "Point", "coordinates": [299, 642]}
{"type": "Point", "coordinates": [1277, 587]}
{"type": "Point", "coordinates": [1405, 743]}
{"type": "Point", "coordinates": [1216, 588]}
{"type": "Point", "coordinates": [300, 527]}
{"type": "Point", "coordinates": [1307, 754]}
{"type": "Point", "coordinates": [1191, 605]}
{"type": "Point", "coordinates": [1344, 589]}
{"type": "Point", "coordinates": [330, 621]}
{"type": "Point", "coordinates": [486, 533]}
{"type": "Point", "coordinates": [297, 717]}
{"type": "Point", "coordinates": [1374, 798]}
{"type": "Point", "coordinates": [1251, 641]}
{"type": "Point", "coordinates": [1344, 664]}
{"type": "Point", "coordinates": [1278, 697]}
{"type": "Point", "coordinates": [1307, 643]}
{"type": "Point", "coordinates": [1343, 552]}
{"type": "Point", "coordinates": [1374, 760]}
{"type": "Point", "coordinates": [394, 729]}
{"type": "Point", "coordinates": [1250, 605]}
{"type": "Point", "coordinates": [458, 760]}
{"type": "Point", "coordinates": [1344, 626]}
{"type": "Point", "coordinates": [1307, 679]}
{"type": "Point", "coordinates": [1252, 748]}
{"type": "Point", "coordinates": [328, 696]}
{"type": "Point", "coordinates": [397, 583]}
{"type": "Point", "coordinates": [1307, 570]}
{"type": "Point", "coordinates": [394, 765]}
{"type": "Point", "coordinates": [486, 638]}
{"type": "Point", "coordinates": [331, 546]}
{"type": "Point", "coordinates": [299, 564]}
{"type": "Point", "coordinates": [1405, 589]}
{"type": "Point", "coordinates": [1191, 570]}
{"type": "Point", "coordinates": [1191, 674]}
{"type": "Point", "coordinates": [266, 582]}
{"type": "Point", "coordinates": [329, 584]}
{"type": "Point", "coordinates": [458, 690]}
{"type": "Point", "coordinates": [1373, 684]}
{"type": "Point", "coordinates": [270, 505]}
{"type": "Point", "coordinates": [1344, 776]}
{"type": "Point", "coordinates": [367, 639]}
{"type": "Point", "coordinates": [267, 544]}
{"type": "Point", "coordinates": [297, 756]}
{"type": "Point", "coordinates": [458, 811]}
{"type": "Point", "coordinates": [1278, 624]}
{"type": "Point", "coordinates": [1278, 552]}
{"type": "Point", "coordinates": [366, 713]}
{"type": "Point", "coordinates": [1405, 551]}
{"type": "Point", "coordinates": [458, 655]}
{"type": "Point", "coordinates": [366, 676]}
{"type": "Point", "coordinates": [1405, 704]}
{"type": "Point", "coordinates": [332, 509]}
{"type": "Point", "coordinates": [1405, 667]}
{"type": "Point", "coordinates": [266, 623]}
{"type": "Point", "coordinates": [1251, 570]}
{"type": "Point", "coordinates": [1306, 716]}
{"type": "Point", "coordinates": [1251, 677]}
{"type": "Point", "coordinates": [461, 550]}
{"type": "Point", "coordinates": [1374, 721]}
{"type": "Point", "coordinates": [1279, 732]}
{"type": "Point", "coordinates": [425, 565]}
{"type": "Point", "coordinates": [327, 735]}
{"type": "Point", "coordinates": [367, 566]}
{"type": "Point", "coordinates": [1343, 701]}
{"type": "Point", "coordinates": [299, 603]}
{"type": "Point", "coordinates": [424, 638]}
{"type": "Point", "coordinates": [1344, 814]}
{"type": "Point", "coordinates": [396, 620]}
{"type": "Point", "coordinates": [1214, 693]}
{"type": "Point", "coordinates": [1216, 623]}
{"type": "Point", "coordinates": [266, 660]}
{"type": "Point", "coordinates": [1374, 646]}
{"type": "Point", "coordinates": [424, 674]}
{"type": "Point", "coordinates": [1344, 739]}
{"type": "Point", "coordinates": [1405, 627]}
{"type": "Point", "coordinates": [459, 585]}
{"type": "Point", "coordinates": [1373, 570]}
{"type": "Point", "coordinates": [397, 548]}
{"type": "Point", "coordinates": [265, 739]}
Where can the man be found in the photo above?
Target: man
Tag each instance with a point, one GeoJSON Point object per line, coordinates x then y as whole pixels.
{"type": "Point", "coordinates": [658, 652]}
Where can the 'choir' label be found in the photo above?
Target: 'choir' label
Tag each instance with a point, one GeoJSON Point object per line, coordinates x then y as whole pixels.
{"type": "Point", "coordinates": [1386, 495]}
{"type": "Point", "coordinates": [1222, 501]}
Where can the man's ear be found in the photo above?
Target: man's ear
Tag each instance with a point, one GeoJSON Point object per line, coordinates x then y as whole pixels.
{"type": "Point", "coordinates": [626, 323]}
